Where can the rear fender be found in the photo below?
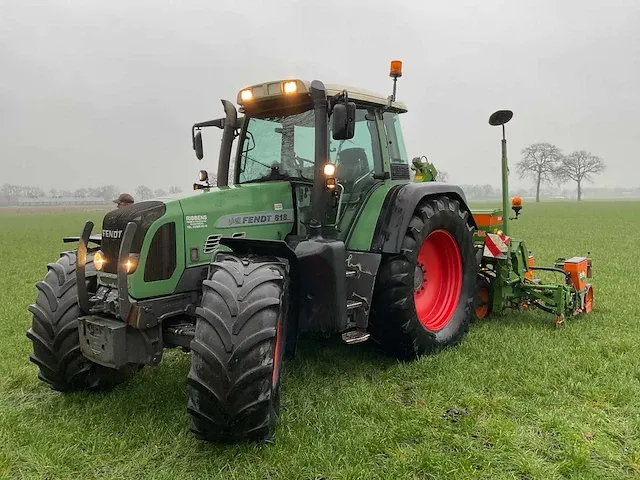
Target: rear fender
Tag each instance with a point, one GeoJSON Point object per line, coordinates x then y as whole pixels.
{"type": "Point", "coordinates": [398, 209]}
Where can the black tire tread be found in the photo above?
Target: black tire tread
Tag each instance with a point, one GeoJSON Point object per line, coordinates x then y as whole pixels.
{"type": "Point", "coordinates": [54, 332]}
{"type": "Point", "coordinates": [231, 396]}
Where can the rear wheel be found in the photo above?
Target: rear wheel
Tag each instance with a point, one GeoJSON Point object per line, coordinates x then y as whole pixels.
{"type": "Point", "coordinates": [54, 332]}
{"type": "Point", "coordinates": [237, 351]}
{"type": "Point", "coordinates": [424, 295]}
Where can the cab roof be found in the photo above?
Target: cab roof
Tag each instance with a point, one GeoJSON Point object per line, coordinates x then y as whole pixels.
{"type": "Point", "coordinates": [275, 89]}
{"type": "Point", "coordinates": [364, 96]}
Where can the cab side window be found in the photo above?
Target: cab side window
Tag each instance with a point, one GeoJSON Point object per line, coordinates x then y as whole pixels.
{"type": "Point", "coordinates": [395, 141]}
{"type": "Point", "coordinates": [356, 157]}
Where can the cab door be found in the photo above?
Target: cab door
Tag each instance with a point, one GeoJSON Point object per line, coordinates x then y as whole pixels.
{"type": "Point", "coordinates": [359, 167]}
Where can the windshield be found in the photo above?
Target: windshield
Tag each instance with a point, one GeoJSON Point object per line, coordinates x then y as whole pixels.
{"type": "Point", "coordinates": [278, 148]}
{"type": "Point", "coordinates": [282, 147]}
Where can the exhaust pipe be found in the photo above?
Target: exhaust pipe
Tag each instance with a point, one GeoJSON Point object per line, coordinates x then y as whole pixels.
{"type": "Point", "coordinates": [318, 195]}
{"type": "Point", "coordinates": [231, 119]}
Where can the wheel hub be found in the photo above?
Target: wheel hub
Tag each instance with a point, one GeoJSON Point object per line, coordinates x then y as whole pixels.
{"type": "Point", "coordinates": [419, 278]}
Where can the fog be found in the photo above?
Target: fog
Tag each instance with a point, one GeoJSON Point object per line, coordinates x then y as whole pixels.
{"type": "Point", "coordinates": [106, 92]}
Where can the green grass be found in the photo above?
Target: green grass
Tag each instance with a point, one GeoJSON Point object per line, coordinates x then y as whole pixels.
{"type": "Point", "coordinates": [532, 401]}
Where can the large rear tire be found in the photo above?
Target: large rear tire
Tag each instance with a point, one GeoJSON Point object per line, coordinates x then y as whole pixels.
{"type": "Point", "coordinates": [54, 332]}
{"type": "Point", "coordinates": [237, 351]}
{"type": "Point", "coordinates": [424, 295]}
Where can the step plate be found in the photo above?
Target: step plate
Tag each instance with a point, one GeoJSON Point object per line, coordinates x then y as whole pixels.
{"type": "Point", "coordinates": [355, 336]}
{"type": "Point", "coordinates": [353, 304]}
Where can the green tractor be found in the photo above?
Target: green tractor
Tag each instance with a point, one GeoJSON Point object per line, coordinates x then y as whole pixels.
{"type": "Point", "coordinates": [322, 231]}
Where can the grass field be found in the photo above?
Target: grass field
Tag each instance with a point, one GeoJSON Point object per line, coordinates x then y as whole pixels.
{"type": "Point", "coordinates": [524, 400]}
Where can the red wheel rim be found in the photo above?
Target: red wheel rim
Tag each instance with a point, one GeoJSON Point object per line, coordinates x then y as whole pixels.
{"type": "Point", "coordinates": [276, 355]}
{"type": "Point", "coordinates": [588, 300]}
{"type": "Point", "coordinates": [437, 280]}
{"type": "Point", "coordinates": [483, 303]}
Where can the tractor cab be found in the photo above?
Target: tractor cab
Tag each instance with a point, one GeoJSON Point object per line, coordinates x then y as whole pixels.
{"type": "Point", "coordinates": [276, 141]}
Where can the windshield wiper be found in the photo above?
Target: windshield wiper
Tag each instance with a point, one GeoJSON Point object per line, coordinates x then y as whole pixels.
{"type": "Point", "coordinates": [280, 176]}
{"type": "Point", "coordinates": [247, 157]}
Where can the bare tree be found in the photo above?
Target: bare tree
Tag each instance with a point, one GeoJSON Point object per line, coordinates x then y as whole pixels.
{"type": "Point", "coordinates": [144, 192]}
{"type": "Point", "coordinates": [539, 162]}
{"type": "Point", "coordinates": [159, 193]}
{"type": "Point", "coordinates": [175, 189]}
{"type": "Point", "coordinates": [579, 166]}
{"type": "Point", "coordinates": [32, 192]}
{"type": "Point", "coordinates": [107, 192]}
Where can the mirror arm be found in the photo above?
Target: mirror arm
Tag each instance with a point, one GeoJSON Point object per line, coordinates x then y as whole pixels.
{"type": "Point", "coordinates": [336, 98]}
{"type": "Point", "coordinates": [219, 122]}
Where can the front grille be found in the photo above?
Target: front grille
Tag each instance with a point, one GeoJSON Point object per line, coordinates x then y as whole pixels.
{"type": "Point", "coordinates": [143, 214]}
{"type": "Point", "coordinates": [161, 260]}
{"type": "Point", "coordinates": [400, 171]}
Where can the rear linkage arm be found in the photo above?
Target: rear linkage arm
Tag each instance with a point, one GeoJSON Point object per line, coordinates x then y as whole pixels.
{"type": "Point", "coordinates": [554, 298]}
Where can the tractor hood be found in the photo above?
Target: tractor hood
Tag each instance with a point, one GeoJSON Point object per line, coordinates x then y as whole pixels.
{"type": "Point", "coordinates": [255, 210]}
{"type": "Point", "coordinates": [180, 232]}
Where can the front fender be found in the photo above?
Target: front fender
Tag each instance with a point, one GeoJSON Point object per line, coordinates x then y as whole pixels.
{"type": "Point", "coordinates": [318, 277]}
{"type": "Point", "coordinates": [398, 209]}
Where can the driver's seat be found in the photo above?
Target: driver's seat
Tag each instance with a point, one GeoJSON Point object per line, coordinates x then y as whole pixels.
{"type": "Point", "coordinates": [352, 164]}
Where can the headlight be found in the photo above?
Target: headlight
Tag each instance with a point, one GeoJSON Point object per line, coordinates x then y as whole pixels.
{"type": "Point", "coordinates": [246, 95]}
{"type": "Point", "coordinates": [329, 170]}
{"type": "Point", "coordinates": [99, 260]}
{"type": "Point", "coordinates": [131, 263]}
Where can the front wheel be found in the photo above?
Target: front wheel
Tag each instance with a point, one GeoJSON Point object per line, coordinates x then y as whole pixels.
{"type": "Point", "coordinates": [54, 332]}
{"type": "Point", "coordinates": [237, 351]}
{"type": "Point", "coordinates": [424, 295]}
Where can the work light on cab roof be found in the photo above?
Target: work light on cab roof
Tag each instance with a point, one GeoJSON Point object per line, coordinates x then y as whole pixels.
{"type": "Point", "coordinates": [270, 90]}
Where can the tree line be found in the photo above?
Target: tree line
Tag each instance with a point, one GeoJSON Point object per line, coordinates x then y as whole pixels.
{"type": "Point", "coordinates": [545, 163]}
{"type": "Point", "coordinates": [144, 192]}
{"type": "Point", "coordinates": [107, 193]}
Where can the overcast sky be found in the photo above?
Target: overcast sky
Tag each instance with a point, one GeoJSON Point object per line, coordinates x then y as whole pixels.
{"type": "Point", "coordinates": [106, 92]}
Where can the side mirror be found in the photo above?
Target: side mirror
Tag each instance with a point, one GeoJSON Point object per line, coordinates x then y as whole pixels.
{"type": "Point", "coordinates": [203, 176]}
{"type": "Point", "coordinates": [197, 145]}
{"type": "Point", "coordinates": [343, 121]}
